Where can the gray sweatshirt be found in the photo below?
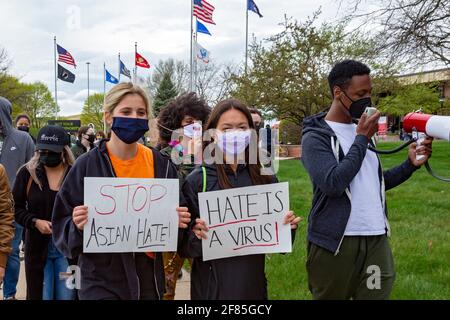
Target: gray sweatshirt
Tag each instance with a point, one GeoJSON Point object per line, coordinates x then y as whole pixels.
{"type": "Point", "coordinates": [18, 147]}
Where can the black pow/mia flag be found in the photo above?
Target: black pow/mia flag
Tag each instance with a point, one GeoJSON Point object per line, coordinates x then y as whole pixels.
{"type": "Point", "coordinates": [65, 75]}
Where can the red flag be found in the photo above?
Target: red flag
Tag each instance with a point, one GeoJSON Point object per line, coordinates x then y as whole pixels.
{"type": "Point", "coordinates": [141, 61]}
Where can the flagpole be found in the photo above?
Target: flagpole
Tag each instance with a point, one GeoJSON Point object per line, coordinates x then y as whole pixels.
{"type": "Point", "coordinates": [246, 36]}
{"type": "Point", "coordinates": [119, 68]}
{"type": "Point", "coordinates": [191, 56]}
{"type": "Point", "coordinates": [56, 77]}
{"type": "Point", "coordinates": [87, 64]}
{"type": "Point", "coordinates": [104, 95]}
{"type": "Point", "coordinates": [135, 65]}
{"type": "Point", "coordinates": [195, 60]}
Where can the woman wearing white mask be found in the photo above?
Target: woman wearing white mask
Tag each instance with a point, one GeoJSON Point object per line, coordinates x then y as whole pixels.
{"type": "Point", "coordinates": [185, 116]}
{"type": "Point", "coordinates": [242, 277]}
{"type": "Point", "coordinates": [179, 122]}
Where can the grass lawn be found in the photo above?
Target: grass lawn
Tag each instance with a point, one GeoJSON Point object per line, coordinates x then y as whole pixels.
{"type": "Point", "coordinates": [419, 214]}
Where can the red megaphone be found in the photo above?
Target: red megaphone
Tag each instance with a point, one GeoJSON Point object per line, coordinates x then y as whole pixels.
{"type": "Point", "coordinates": [433, 126]}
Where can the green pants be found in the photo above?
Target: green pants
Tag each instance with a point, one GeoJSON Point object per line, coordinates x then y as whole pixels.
{"type": "Point", "coordinates": [363, 269]}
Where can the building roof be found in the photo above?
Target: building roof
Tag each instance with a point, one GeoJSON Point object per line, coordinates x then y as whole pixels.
{"type": "Point", "coordinates": [426, 76]}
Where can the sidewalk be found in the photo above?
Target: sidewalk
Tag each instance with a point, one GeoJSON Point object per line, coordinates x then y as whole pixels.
{"type": "Point", "coordinates": [21, 286]}
{"type": "Point", "coordinates": [182, 291]}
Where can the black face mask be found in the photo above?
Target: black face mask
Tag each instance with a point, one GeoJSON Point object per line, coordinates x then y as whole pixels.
{"type": "Point", "coordinates": [51, 159]}
{"type": "Point", "coordinates": [358, 107]}
{"type": "Point", "coordinates": [91, 138]}
{"type": "Point", "coordinates": [23, 128]}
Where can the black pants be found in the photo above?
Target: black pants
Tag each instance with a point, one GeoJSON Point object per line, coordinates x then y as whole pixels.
{"type": "Point", "coordinates": [145, 269]}
{"type": "Point", "coordinates": [36, 245]}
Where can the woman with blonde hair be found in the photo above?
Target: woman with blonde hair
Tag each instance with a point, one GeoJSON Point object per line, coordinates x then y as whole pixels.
{"type": "Point", "coordinates": [114, 276]}
{"type": "Point", "coordinates": [34, 193]}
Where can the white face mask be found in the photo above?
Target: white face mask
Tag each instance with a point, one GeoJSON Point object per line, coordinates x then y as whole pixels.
{"type": "Point", "coordinates": [193, 130]}
{"type": "Point", "coordinates": [234, 142]}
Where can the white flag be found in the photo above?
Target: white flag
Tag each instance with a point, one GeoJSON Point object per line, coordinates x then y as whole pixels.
{"type": "Point", "coordinates": [202, 54]}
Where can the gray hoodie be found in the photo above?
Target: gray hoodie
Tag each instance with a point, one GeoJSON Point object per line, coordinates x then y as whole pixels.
{"type": "Point", "coordinates": [18, 147]}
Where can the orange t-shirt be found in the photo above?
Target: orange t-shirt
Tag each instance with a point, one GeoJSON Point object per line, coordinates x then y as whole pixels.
{"type": "Point", "coordinates": [141, 166]}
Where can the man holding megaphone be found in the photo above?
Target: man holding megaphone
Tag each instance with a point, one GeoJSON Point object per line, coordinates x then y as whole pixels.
{"type": "Point", "coordinates": [349, 256]}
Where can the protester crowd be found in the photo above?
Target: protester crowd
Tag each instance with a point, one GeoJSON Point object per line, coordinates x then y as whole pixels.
{"type": "Point", "coordinates": [42, 195]}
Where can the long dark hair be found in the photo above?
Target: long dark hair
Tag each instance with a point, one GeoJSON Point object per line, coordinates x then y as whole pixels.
{"type": "Point", "coordinates": [254, 169]}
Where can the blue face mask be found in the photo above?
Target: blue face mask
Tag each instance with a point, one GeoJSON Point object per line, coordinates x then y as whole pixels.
{"type": "Point", "coordinates": [129, 130]}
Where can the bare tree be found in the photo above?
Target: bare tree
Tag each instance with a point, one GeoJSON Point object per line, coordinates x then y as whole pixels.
{"type": "Point", "coordinates": [213, 81]}
{"type": "Point", "coordinates": [4, 61]}
{"type": "Point", "coordinates": [212, 84]}
{"type": "Point", "coordinates": [178, 71]}
{"type": "Point", "coordinates": [413, 31]}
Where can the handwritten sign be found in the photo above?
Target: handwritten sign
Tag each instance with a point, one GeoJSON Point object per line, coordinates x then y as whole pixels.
{"type": "Point", "coordinates": [245, 221]}
{"type": "Point", "coordinates": [131, 215]}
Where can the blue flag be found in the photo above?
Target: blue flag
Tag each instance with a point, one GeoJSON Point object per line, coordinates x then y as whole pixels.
{"type": "Point", "coordinates": [124, 70]}
{"type": "Point", "coordinates": [110, 78]}
{"type": "Point", "coordinates": [201, 28]}
{"type": "Point", "coordinates": [251, 5]}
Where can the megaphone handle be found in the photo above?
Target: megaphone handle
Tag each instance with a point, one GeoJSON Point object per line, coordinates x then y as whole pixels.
{"type": "Point", "coordinates": [420, 139]}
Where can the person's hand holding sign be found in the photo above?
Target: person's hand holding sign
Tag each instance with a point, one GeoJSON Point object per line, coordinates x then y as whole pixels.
{"type": "Point", "coordinates": [200, 229]}
{"type": "Point", "coordinates": [291, 219]}
{"type": "Point", "coordinates": [80, 216]}
{"type": "Point", "coordinates": [185, 217]}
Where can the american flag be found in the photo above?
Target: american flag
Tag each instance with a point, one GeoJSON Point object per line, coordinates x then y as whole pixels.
{"type": "Point", "coordinates": [203, 11]}
{"type": "Point", "coordinates": [65, 56]}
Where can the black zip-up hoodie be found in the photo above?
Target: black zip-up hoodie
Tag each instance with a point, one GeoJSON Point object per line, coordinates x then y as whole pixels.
{"type": "Point", "coordinates": [34, 203]}
{"type": "Point", "coordinates": [233, 278]}
{"type": "Point", "coordinates": [103, 275]}
{"type": "Point", "coordinates": [331, 178]}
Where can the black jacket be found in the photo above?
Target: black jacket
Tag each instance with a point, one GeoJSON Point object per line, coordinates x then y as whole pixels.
{"type": "Point", "coordinates": [103, 275]}
{"type": "Point", "coordinates": [237, 278]}
{"type": "Point", "coordinates": [331, 178]}
{"type": "Point", "coordinates": [38, 204]}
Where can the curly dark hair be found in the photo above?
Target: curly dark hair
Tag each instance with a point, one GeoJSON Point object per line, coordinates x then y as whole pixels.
{"type": "Point", "coordinates": [342, 73]}
{"type": "Point", "coordinates": [171, 116]}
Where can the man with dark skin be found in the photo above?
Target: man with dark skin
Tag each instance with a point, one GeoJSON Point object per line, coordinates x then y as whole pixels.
{"type": "Point", "coordinates": [349, 256]}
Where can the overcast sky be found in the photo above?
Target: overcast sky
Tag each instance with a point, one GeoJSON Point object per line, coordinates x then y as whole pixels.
{"type": "Point", "coordinates": [96, 31]}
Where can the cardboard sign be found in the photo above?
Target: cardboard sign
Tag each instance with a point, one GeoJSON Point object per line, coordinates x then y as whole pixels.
{"type": "Point", "coordinates": [131, 215]}
{"type": "Point", "coordinates": [245, 221]}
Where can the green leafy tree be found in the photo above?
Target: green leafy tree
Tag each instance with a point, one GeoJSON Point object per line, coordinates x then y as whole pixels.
{"type": "Point", "coordinates": [39, 105]}
{"type": "Point", "coordinates": [165, 92]}
{"type": "Point", "coordinates": [411, 98]}
{"type": "Point", "coordinates": [287, 78]}
{"type": "Point", "coordinates": [15, 91]}
{"type": "Point", "coordinates": [93, 111]}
